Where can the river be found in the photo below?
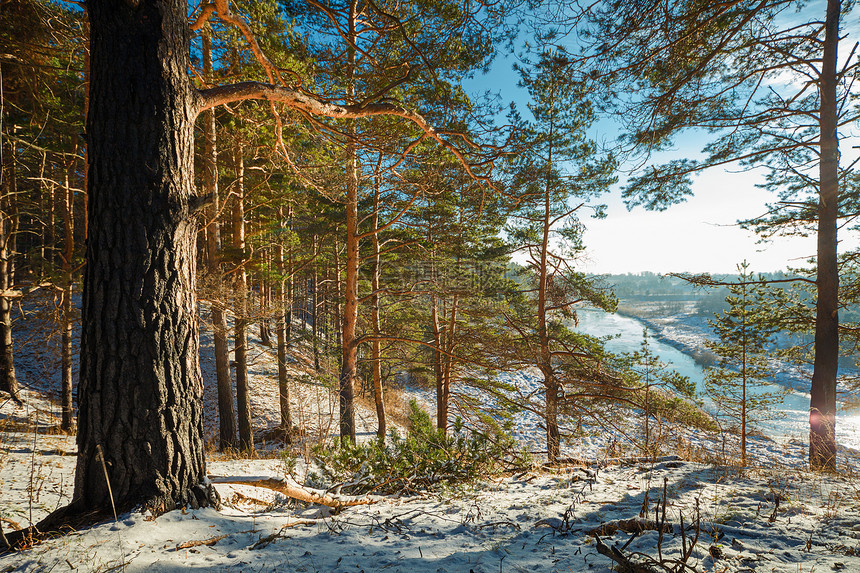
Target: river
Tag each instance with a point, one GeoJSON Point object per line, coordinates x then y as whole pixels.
{"type": "Point", "coordinates": [793, 425]}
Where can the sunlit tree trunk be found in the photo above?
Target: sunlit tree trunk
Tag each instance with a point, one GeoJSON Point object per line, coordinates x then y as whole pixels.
{"type": "Point", "coordinates": [8, 225]}
{"type": "Point", "coordinates": [66, 322]}
{"type": "Point", "coordinates": [283, 315]}
{"type": "Point", "coordinates": [349, 365]}
{"type": "Point", "coordinates": [376, 349]}
{"type": "Point", "coordinates": [315, 315]}
{"type": "Point", "coordinates": [447, 360]}
{"type": "Point", "coordinates": [553, 438]}
{"type": "Point", "coordinates": [240, 336]}
{"type": "Point", "coordinates": [226, 411]}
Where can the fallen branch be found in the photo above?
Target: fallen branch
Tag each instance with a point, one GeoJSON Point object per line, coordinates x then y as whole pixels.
{"type": "Point", "coordinates": [625, 565]}
{"type": "Point", "coordinates": [290, 488]}
{"type": "Point", "coordinates": [635, 525]}
{"type": "Point", "coordinates": [264, 541]}
{"type": "Point", "coordinates": [208, 542]}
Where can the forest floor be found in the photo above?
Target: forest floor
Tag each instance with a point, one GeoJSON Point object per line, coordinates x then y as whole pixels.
{"type": "Point", "coordinates": [771, 516]}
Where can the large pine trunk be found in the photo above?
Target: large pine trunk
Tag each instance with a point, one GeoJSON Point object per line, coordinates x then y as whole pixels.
{"type": "Point", "coordinates": [822, 404]}
{"type": "Point", "coordinates": [140, 396]}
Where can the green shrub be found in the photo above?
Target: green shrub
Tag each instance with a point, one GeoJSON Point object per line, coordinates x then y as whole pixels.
{"type": "Point", "coordinates": [425, 459]}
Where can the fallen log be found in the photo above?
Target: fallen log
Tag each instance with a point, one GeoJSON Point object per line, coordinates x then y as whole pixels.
{"type": "Point", "coordinates": [291, 488]}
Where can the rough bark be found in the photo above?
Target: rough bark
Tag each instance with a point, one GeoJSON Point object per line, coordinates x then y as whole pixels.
{"type": "Point", "coordinates": [240, 335]}
{"type": "Point", "coordinates": [226, 411]}
{"type": "Point", "coordinates": [349, 366]}
{"type": "Point", "coordinates": [265, 302]}
{"type": "Point", "coordinates": [447, 359]}
{"type": "Point", "coordinates": [441, 415]}
{"type": "Point", "coordinates": [553, 439]}
{"type": "Point", "coordinates": [140, 396]}
{"type": "Point", "coordinates": [315, 316]}
{"type": "Point", "coordinates": [822, 404]}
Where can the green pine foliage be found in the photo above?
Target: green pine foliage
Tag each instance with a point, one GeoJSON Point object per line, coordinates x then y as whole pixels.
{"type": "Point", "coordinates": [425, 459]}
{"type": "Point", "coordinates": [741, 385]}
{"type": "Point", "coordinates": [661, 391]}
{"type": "Point", "coordinates": [556, 174]}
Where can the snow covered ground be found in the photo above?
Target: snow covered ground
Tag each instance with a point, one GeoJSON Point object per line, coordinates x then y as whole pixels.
{"type": "Point", "coordinates": [774, 517]}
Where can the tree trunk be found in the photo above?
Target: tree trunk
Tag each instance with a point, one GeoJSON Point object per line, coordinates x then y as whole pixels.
{"type": "Point", "coordinates": [288, 308]}
{"type": "Point", "coordinates": [265, 300]}
{"type": "Point", "coordinates": [86, 110]}
{"type": "Point", "coordinates": [49, 238]}
{"type": "Point", "coordinates": [441, 415]}
{"type": "Point", "coordinates": [338, 284]}
{"type": "Point", "coordinates": [68, 421]}
{"type": "Point", "coordinates": [140, 396]}
{"type": "Point", "coordinates": [226, 412]}
{"type": "Point", "coordinates": [553, 436]}
{"type": "Point", "coordinates": [8, 380]}
{"type": "Point", "coordinates": [281, 333]}
{"type": "Point", "coordinates": [553, 439]}
{"type": "Point", "coordinates": [350, 310]}
{"type": "Point", "coordinates": [240, 335]}
{"type": "Point", "coordinates": [349, 366]}
{"type": "Point", "coordinates": [447, 359]}
{"type": "Point", "coordinates": [376, 350]}
{"type": "Point", "coordinates": [315, 315]}
{"type": "Point", "coordinates": [822, 404]}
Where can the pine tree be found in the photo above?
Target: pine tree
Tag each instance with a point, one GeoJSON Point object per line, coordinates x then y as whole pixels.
{"type": "Point", "coordinates": [741, 385]}
{"type": "Point", "coordinates": [555, 173]}
{"type": "Point", "coordinates": [764, 78]}
{"type": "Point", "coordinates": [653, 375]}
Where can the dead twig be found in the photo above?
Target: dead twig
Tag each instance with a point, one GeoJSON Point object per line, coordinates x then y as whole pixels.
{"type": "Point", "coordinates": [264, 541]}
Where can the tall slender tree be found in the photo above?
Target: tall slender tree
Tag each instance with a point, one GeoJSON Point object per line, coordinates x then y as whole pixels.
{"type": "Point", "coordinates": [226, 411]}
{"type": "Point", "coordinates": [555, 174]}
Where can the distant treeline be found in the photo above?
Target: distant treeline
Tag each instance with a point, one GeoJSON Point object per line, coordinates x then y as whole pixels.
{"type": "Point", "coordinates": [654, 287]}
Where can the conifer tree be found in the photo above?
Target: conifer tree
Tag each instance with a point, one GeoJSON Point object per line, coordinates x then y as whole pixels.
{"type": "Point", "coordinates": [554, 174]}
{"type": "Point", "coordinates": [742, 384]}
{"type": "Point", "coordinates": [653, 375]}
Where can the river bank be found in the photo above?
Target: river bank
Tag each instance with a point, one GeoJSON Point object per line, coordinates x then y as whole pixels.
{"type": "Point", "coordinates": [676, 335]}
